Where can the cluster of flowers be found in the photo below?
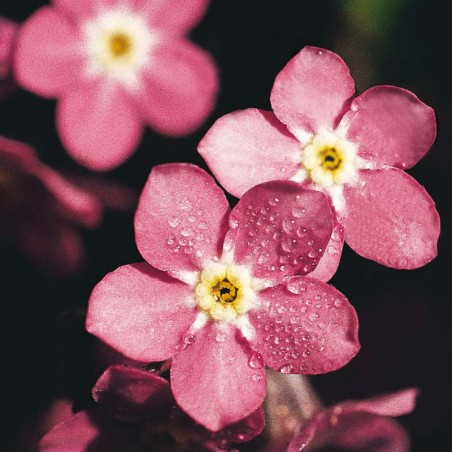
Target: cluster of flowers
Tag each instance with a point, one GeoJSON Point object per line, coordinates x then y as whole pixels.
{"type": "Point", "coordinates": [222, 293]}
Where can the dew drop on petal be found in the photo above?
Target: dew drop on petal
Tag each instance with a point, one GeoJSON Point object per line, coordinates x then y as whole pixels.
{"type": "Point", "coordinates": [220, 337]}
{"type": "Point", "coordinates": [256, 361]}
{"type": "Point", "coordinates": [286, 369]}
{"type": "Point", "coordinates": [174, 222]}
{"type": "Point", "coordinates": [256, 377]}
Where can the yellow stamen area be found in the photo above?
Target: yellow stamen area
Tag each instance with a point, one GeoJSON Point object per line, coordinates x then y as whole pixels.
{"type": "Point", "coordinates": [330, 160]}
{"type": "Point", "coordinates": [224, 291]}
{"type": "Point", "coordinates": [120, 45]}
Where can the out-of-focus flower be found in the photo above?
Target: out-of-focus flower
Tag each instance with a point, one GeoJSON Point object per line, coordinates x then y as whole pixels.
{"type": "Point", "coordinates": [216, 293]}
{"type": "Point", "coordinates": [8, 32]}
{"type": "Point", "coordinates": [354, 149]}
{"type": "Point", "coordinates": [365, 425]}
{"type": "Point", "coordinates": [42, 211]}
{"type": "Point", "coordinates": [115, 66]}
{"type": "Point", "coordinates": [137, 412]}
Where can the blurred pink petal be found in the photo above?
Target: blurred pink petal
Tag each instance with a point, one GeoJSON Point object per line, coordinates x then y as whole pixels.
{"type": "Point", "coordinates": [359, 425]}
{"type": "Point", "coordinates": [228, 386]}
{"type": "Point", "coordinates": [47, 59]}
{"type": "Point", "coordinates": [254, 146]}
{"type": "Point", "coordinates": [179, 89]}
{"type": "Point", "coordinates": [392, 219]}
{"type": "Point", "coordinates": [181, 218]}
{"type": "Point", "coordinates": [98, 125]}
{"type": "Point", "coordinates": [8, 34]}
{"type": "Point", "coordinates": [140, 311]}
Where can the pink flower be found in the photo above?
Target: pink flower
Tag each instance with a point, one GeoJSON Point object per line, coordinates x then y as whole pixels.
{"type": "Point", "coordinates": [365, 425]}
{"type": "Point", "coordinates": [114, 66]}
{"type": "Point", "coordinates": [136, 411]}
{"type": "Point", "coordinates": [353, 149]}
{"type": "Point", "coordinates": [42, 211]}
{"type": "Point", "coordinates": [214, 293]}
{"type": "Point", "coordinates": [8, 32]}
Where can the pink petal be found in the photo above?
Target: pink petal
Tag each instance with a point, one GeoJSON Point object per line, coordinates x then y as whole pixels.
{"type": "Point", "coordinates": [74, 435]}
{"type": "Point", "coordinates": [94, 432]}
{"type": "Point", "coordinates": [394, 404]}
{"type": "Point", "coordinates": [19, 154]}
{"type": "Point", "coordinates": [367, 433]}
{"type": "Point", "coordinates": [313, 91]}
{"type": "Point", "coordinates": [132, 394]}
{"type": "Point", "coordinates": [98, 125]}
{"type": "Point", "coordinates": [179, 88]}
{"type": "Point", "coordinates": [305, 434]}
{"type": "Point", "coordinates": [141, 312]}
{"type": "Point", "coordinates": [78, 205]}
{"type": "Point", "coordinates": [181, 217]}
{"type": "Point", "coordinates": [244, 430]}
{"type": "Point", "coordinates": [8, 33]}
{"type": "Point", "coordinates": [330, 260]}
{"type": "Point", "coordinates": [280, 229]}
{"type": "Point", "coordinates": [391, 219]}
{"type": "Point", "coordinates": [83, 8]}
{"type": "Point", "coordinates": [47, 57]}
{"type": "Point", "coordinates": [248, 147]}
{"type": "Point", "coordinates": [391, 126]}
{"type": "Point", "coordinates": [57, 248]}
{"type": "Point", "coordinates": [174, 16]}
{"type": "Point", "coordinates": [314, 319]}
{"type": "Point", "coordinates": [215, 380]}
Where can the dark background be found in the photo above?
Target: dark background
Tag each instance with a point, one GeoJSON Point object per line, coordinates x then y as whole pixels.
{"type": "Point", "coordinates": [405, 316]}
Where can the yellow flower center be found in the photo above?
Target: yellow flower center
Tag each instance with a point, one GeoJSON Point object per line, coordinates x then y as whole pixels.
{"type": "Point", "coordinates": [330, 160]}
{"type": "Point", "coordinates": [224, 291]}
{"type": "Point", "coordinates": [120, 45]}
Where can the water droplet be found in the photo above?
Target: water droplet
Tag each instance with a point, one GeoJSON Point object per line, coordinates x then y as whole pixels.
{"type": "Point", "coordinates": [313, 316]}
{"type": "Point", "coordinates": [337, 303]}
{"type": "Point", "coordinates": [186, 232]}
{"type": "Point", "coordinates": [234, 224]}
{"type": "Point", "coordinates": [189, 340]}
{"type": "Point", "coordinates": [174, 222]}
{"type": "Point", "coordinates": [286, 369]}
{"type": "Point", "coordinates": [355, 107]}
{"type": "Point", "coordinates": [191, 218]}
{"type": "Point", "coordinates": [170, 241]}
{"type": "Point", "coordinates": [273, 201]}
{"type": "Point", "coordinates": [185, 204]}
{"type": "Point", "coordinates": [298, 212]}
{"type": "Point", "coordinates": [256, 361]}
{"type": "Point", "coordinates": [202, 225]}
{"type": "Point", "coordinates": [256, 378]}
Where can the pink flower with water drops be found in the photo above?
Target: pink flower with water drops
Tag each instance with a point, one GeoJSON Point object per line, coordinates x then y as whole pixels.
{"type": "Point", "coordinates": [353, 149]}
{"type": "Point", "coordinates": [115, 66]}
{"type": "Point", "coordinates": [364, 425]}
{"type": "Point", "coordinates": [8, 32]}
{"type": "Point", "coordinates": [216, 292]}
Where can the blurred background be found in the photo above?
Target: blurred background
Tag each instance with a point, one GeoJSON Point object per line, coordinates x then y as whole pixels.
{"type": "Point", "coordinates": [405, 316]}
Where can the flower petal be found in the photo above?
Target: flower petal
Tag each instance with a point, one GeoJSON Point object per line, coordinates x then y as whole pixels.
{"type": "Point", "coordinates": [280, 229]}
{"type": "Point", "coordinates": [179, 88]}
{"type": "Point", "coordinates": [93, 431]}
{"type": "Point", "coordinates": [391, 126]}
{"type": "Point", "coordinates": [248, 147]}
{"type": "Point", "coordinates": [82, 8]}
{"type": "Point", "coordinates": [174, 16]}
{"type": "Point", "coordinates": [213, 379]}
{"type": "Point", "coordinates": [330, 260]}
{"type": "Point", "coordinates": [313, 91]}
{"type": "Point", "coordinates": [181, 218]}
{"type": "Point", "coordinates": [47, 56]}
{"type": "Point", "coordinates": [391, 219]}
{"type": "Point", "coordinates": [141, 312]}
{"type": "Point", "coordinates": [393, 404]}
{"type": "Point", "coordinates": [98, 125]}
{"type": "Point", "coordinates": [8, 34]}
{"type": "Point", "coordinates": [314, 319]}
{"type": "Point", "coordinates": [367, 432]}
{"type": "Point", "coordinates": [132, 394]}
